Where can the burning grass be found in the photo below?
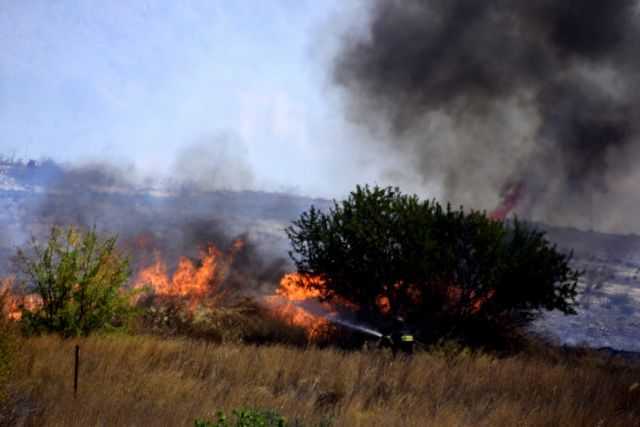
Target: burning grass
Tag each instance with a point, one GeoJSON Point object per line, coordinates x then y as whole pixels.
{"type": "Point", "coordinates": [195, 298]}
{"type": "Point", "coordinates": [194, 301]}
{"type": "Point", "coordinates": [149, 381]}
{"type": "Point", "coordinates": [219, 320]}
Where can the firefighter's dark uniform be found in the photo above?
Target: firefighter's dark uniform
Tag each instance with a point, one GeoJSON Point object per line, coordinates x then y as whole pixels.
{"type": "Point", "coordinates": [402, 341]}
{"type": "Point", "coordinates": [398, 341]}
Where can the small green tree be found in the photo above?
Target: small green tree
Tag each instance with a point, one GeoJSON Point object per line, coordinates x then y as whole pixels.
{"type": "Point", "coordinates": [447, 272]}
{"type": "Point", "coordinates": [79, 278]}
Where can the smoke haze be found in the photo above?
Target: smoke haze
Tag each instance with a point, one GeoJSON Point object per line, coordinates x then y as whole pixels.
{"type": "Point", "coordinates": [216, 163]}
{"type": "Point", "coordinates": [486, 95]}
{"type": "Point", "coordinates": [174, 223]}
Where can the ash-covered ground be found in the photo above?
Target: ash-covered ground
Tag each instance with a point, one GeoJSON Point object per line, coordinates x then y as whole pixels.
{"type": "Point", "coordinates": [609, 310]}
{"type": "Point", "coordinates": [608, 316]}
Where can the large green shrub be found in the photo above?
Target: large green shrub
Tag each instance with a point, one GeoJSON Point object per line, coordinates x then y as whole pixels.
{"type": "Point", "coordinates": [448, 272]}
{"type": "Point", "coordinates": [79, 277]}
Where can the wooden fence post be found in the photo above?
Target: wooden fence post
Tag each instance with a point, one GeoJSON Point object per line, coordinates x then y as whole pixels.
{"type": "Point", "coordinates": [75, 371]}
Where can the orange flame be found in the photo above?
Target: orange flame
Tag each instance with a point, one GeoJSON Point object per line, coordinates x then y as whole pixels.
{"type": "Point", "coordinates": [188, 280]}
{"type": "Point", "coordinates": [383, 303]}
{"type": "Point", "coordinates": [296, 288]}
{"type": "Point", "coordinates": [10, 308]}
{"type": "Point", "coordinates": [476, 302]}
{"type": "Point", "coordinates": [510, 198]}
{"type": "Point", "coordinates": [14, 303]}
{"type": "Point", "coordinates": [383, 300]}
{"type": "Point", "coordinates": [195, 282]}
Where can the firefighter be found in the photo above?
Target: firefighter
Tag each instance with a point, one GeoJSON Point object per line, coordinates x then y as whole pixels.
{"type": "Point", "coordinates": [401, 339]}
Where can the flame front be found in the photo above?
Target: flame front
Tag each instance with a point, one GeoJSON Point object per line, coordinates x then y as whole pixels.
{"type": "Point", "coordinates": [510, 198]}
{"type": "Point", "coordinates": [188, 280]}
{"type": "Point", "coordinates": [298, 287]}
{"type": "Point", "coordinates": [191, 281]}
{"type": "Point", "coordinates": [13, 303]}
{"type": "Point", "coordinates": [383, 303]}
{"type": "Point", "coordinates": [294, 289]}
{"type": "Point", "coordinates": [475, 302]}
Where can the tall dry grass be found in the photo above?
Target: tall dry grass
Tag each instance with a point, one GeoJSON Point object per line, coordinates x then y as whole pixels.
{"type": "Point", "coordinates": [145, 381]}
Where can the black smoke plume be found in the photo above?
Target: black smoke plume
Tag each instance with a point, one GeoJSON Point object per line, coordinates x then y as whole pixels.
{"type": "Point", "coordinates": [484, 95]}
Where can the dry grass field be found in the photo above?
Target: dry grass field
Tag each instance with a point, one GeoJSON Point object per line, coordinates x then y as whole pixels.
{"type": "Point", "coordinates": [141, 381]}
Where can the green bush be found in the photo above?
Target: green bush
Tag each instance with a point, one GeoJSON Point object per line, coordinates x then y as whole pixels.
{"type": "Point", "coordinates": [80, 278]}
{"type": "Point", "coordinates": [245, 418]}
{"type": "Point", "coordinates": [449, 273]}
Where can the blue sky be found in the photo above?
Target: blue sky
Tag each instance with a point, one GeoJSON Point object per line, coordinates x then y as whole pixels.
{"type": "Point", "coordinates": [242, 88]}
